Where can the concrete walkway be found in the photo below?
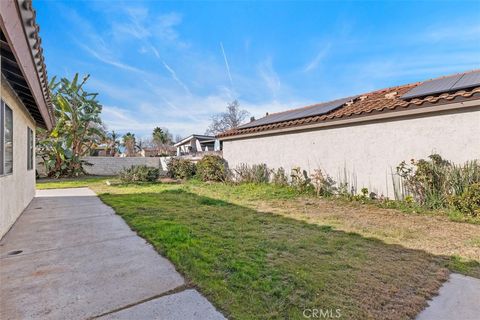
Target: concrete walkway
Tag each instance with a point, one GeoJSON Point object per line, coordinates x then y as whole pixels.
{"type": "Point", "coordinates": [69, 256]}
{"type": "Point", "coordinates": [458, 298]}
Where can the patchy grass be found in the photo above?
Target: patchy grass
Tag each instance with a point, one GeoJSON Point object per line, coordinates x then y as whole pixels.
{"type": "Point", "coordinates": [474, 242]}
{"type": "Point", "coordinates": [250, 193]}
{"type": "Point", "coordinates": [85, 181]}
{"type": "Point", "coordinates": [260, 251]}
{"type": "Point", "coordinates": [260, 265]}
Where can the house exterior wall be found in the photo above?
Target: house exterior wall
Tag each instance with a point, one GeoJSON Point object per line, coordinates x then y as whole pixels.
{"type": "Point", "coordinates": [368, 152]}
{"type": "Point", "coordinates": [16, 189]}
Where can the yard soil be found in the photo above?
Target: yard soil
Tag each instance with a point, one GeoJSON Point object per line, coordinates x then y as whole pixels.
{"type": "Point", "coordinates": [433, 234]}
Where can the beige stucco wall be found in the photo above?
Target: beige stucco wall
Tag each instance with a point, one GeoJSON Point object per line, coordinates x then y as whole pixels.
{"type": "Point", "coordinates": [368, 151]}
{"type": "Point", "coordinates": [18, 188]}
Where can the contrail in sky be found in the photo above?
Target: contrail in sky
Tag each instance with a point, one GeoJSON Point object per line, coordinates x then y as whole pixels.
{"type": "Point", "coordinates": [175, 77]}
{"type": "Point", "coordinates": [226, 64]}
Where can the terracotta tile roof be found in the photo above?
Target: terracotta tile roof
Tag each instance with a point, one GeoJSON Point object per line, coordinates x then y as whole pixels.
{"type": "Point", "coordinates": [23, 63]}
{"type": "Point", "coordinates": [31, 26]}
{"type": "Point", "coordinates": [377, 101]}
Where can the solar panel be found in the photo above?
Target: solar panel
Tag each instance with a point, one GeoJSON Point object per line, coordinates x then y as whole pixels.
{"type": "Point", "coordinates": [311, 111]}
{"type": "Point", "coordinates": [446, 84]}
{"type": "Point", "coordinates": [468, 80]}
{"type": "Point", "coordinates": [432, 86]}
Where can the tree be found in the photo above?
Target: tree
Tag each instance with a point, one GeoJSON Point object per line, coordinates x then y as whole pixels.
{"type": "Point", "coordinates": [78, 127]}
{"type": "Point", "coordinates": [129, 144]}
{"type": "Point", "coordinates": [158, 136]}
{"type": "Point", "coordinates": [228, 120]}
{"type": "Point", "coordinates": [112, 143]}
{"type": "Point", "coordinates": [162, 139]}
{"type": "Point", "coordinates": [146, 142]}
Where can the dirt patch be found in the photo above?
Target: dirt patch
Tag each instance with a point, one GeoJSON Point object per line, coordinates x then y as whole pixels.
{"type": "Point", "coordinates": [169, 180]}
{"type": "Point", "coordinates": [433, 234]}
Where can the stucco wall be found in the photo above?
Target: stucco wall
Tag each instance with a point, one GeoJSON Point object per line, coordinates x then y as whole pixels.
{"type": "Point", "coordinates": [16, 189]}
{"type": "Point", "coordinates": [109, 166]}
{"type": "Point", "coordinates": [367, 152]}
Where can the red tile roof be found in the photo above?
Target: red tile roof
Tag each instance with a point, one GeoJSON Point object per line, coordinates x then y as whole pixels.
{"type": "Point", "coordinates": [377, 101]}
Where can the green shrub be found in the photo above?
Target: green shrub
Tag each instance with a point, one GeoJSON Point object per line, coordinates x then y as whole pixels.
{"type": "Point", "coordinates": [243, 173]}
{"type": "Point", "coordinates": [257, 173]}
{"type": "Point", "coordinates": [139, 174]}
{"type": "Point", "coordinates": [427, 180]}
{"type": "Point", "coordinates": [261, 173]}
{"type": "Point", "coordinates": [212, 168]}
{"type": "Point", "coordinates": [300, 180]}
{"type": "Point", "coordinates": [463, 176]}
{"type": "Point", "coordinates": [179, 168]}
{"type": "Point", "coordinates": [323, 183]}
{"type": "Point", "coordinates": [433, 183]}
{"type": "Point", "coordinates": [469, 201]}
{"type": "Point", "coordinates": [279, 177]}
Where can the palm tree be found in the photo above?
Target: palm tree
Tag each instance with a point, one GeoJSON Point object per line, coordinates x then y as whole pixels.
{"type": "Point", "coordinates": [112, 143]}
{"type": "Point", "coordinates": [161, 138]}
{"type": "Point", "coordinates": [129, 144]}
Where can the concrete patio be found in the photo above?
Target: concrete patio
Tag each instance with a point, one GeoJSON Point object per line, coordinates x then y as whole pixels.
{"type": "Point", "coordinates": [69, 256]}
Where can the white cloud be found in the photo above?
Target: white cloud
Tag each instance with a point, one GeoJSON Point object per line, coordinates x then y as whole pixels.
{"type": "Point", "coordinates": [270, 77]}
{"type": "Point", "coordinates": [165, 26]}
{"type": "Point", "coordinates": [148, 28]}
{"type": "Point", "coordinates": [105, 57]}
{"type": "Point", "coordinates": [135, 26]}
{"type": "Point", "coordinates": [93, 43]}
{"type": "Point", "coordinates": [434, 64]}
{"type": "Point", "coordinates": [462, 33]}
{"type": "Point", "coordinates": [184, 121]}
{"type": "Point", "coordinates": [194, 119]}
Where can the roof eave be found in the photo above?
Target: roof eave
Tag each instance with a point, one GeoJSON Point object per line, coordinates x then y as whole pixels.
{"type": "Point", "coordinates": [18, 23]}
{"type": "Point", "coordinates": [190, 137]}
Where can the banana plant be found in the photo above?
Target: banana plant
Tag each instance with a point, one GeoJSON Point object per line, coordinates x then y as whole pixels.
{"type": "Point", "coordinates": [78, 128]}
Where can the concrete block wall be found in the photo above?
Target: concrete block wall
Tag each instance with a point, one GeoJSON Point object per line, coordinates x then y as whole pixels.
{"type": "Point", "coordinates": [110, 166]}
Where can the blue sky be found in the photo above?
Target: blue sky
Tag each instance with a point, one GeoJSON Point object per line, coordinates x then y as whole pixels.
{"type": "Point", "coordinates": [174, 64]}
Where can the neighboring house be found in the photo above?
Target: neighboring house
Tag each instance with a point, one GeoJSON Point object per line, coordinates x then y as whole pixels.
{"type": "Point", "coordinates": [197, 143]}
{"type": "Point", "coordinates": [362, 139]}
{"type": "Point", "coordinates": [166, 150]}
{"type": "Point", "coordinates": [100, 151]}
{"type": "Point", "coordinates": [25, 104]}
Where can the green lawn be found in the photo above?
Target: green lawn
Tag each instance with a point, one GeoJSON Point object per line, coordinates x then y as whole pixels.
{"type": "Point", "coordinates": [254, 264]}
{"type": "Point", "coordinates": [69, 183]}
